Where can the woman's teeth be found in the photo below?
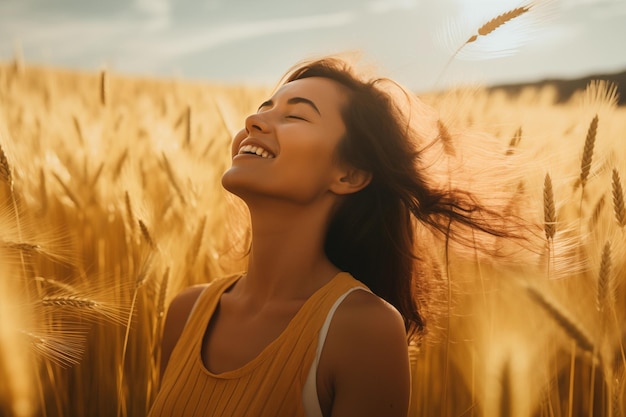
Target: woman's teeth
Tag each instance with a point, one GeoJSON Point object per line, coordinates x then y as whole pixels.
{"type": "Point", "coordinates": [251, 149]}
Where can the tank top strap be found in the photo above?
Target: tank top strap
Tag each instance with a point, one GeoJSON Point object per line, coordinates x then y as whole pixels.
{"type": "Point", "coordinates": [196, 323]}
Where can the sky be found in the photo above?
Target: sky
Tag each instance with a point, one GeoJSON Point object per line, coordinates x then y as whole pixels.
{"type": "Point", "coordinates": [256, 41]}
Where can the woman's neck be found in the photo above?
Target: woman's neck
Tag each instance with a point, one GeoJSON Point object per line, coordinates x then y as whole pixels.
{"type": "Point", "coordinates": [287, 258]}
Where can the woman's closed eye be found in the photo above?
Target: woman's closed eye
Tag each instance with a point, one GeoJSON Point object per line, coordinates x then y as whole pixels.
{"type": "Point", "coordinates": [294, 116]}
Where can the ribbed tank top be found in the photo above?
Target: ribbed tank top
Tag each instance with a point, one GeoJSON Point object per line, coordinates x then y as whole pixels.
{"type": "Point", "coordinates": [270, 385]}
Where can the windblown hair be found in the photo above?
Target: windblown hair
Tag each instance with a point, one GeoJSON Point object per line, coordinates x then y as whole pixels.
{"type": "Point", "coordinates": [372, 234]}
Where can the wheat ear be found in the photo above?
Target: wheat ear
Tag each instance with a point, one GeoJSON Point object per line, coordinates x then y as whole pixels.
{"type": "Point", "coordinates": [446, 138]}
{"type": "Point", "coordinates": [5, 169]}
{"type": "Point", "coordinates": [497, 22]}
{"type": "Point", "coordinates": [172, 178]}
{"type": "Point", "coordinates": [585, 163]}
{"type": "Point", "coordinates": [571, 328]}
{"type": "Point", "coordinates": [549, 211]}
{"type": "Point", "coordinates": [197, 241]}
{"type": "Point", "coordinates": [63, 347]}
{"type": "Point", "coordinates": [103, 87]}
{"type": "Point", "coordinates": [188, 126]}
{"type": "Point", "coordinates": [120, 163]}
{"type": "Point", "coordinates": [129, 212]}
{"type": "Point", "coordinates": [69, 301]}
{"type": "Point", "coordinates": [604, 278]}
{"type": "Point", "coordinates": [515, 140]}
{"type": "Point", "coordinates": [146, 234]}
{"type": "Point", "coordinates": [490, 27]}
{"type": "Point", "coordinates": [618, 199]}
{"type": "Point", "coordinates": [597, 211]}
{"type": "Point", "coordinates": [79, 130]}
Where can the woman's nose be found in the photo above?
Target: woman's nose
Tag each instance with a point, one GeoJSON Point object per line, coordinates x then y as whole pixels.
{"type": "Point", "coordinates": [257, 122]}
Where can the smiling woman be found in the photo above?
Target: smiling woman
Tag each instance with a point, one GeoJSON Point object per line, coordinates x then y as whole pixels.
{"type": "Point", "coordinates": [318, 324]}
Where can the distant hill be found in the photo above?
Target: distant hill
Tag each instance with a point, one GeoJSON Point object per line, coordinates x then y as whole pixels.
{"type": "Point", "coordinates": [566, 88]}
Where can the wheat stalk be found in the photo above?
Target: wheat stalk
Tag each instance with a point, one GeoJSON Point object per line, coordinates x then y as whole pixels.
{"type": "Point", "coordinates": [618, 199]}
{"type": "Point", "coordinates": [96, 176]}
{"type": "Point", "coordinates": [604, 278]}
{"type": "Point", "coordinates": [120, 163]}
{"type": "Point", "coordinates": [571, 328]}
{"type": "Point", "coordinates": [68, 191]}
{"type": "Point", "coordinates": [56, 283]}
{"type": "Point", "coordinates": [43, 192]}
{"type": "Point", "coordinates": [172, 178]}
{"type": "Point", "coordinates": [162, 294]}
{"type": "Point", "coordinates": [549, 210]}
{"type": "Point", "coordinates": [197, 242]}
{"type": "Point", "coordinates": [585, 164]}
{"type": "Point", "coordinates": [506, 392]}
{"type": "Point", "coordinates": [597, 211]}
{"type": "Point", "coordinates": [617, 387]}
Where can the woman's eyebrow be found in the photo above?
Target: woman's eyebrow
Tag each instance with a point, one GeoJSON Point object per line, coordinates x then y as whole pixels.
{"type": "Point", "coordinates": [296, 100]}
{"type": "Point", "coordinates": [292, 100]}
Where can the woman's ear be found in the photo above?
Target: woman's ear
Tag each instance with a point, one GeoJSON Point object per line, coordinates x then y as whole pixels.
{"type": "Point", "coordinates": [351, 180]}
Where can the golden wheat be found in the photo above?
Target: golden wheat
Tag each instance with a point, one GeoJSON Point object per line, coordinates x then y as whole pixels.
{"type": "Point", "coordinates": [604, 279]}
{"type": "Point", "coordinates": [618, 199]}
{"type": "Point", "coordinates": [445, 138]}
{"type": "Point", "coordinates": [172, 177]}
{"type": "Point", "coordinates": [549, 210]}
{"type": "Point", "coordinates": [90, 249]}
{"type": "Point", "coordinates": [585, 164]}
{"type": "Point", "coordinates": [146, 234]}
{"type": "Point", "coordinates": [597, 212]}
{"type": "Point", "coordinates": [68, 191]}
{"type": "Point", "coordinates": [188, 137]}
{"type": "Point", "coordinates": [515, 140]}
{"type": "Point", "coordinates": [570, 327]}
{"type": "Point", "coordinates": [79, 130]}
{"type": "Point", "coordinates": [104, 93]}
{"type": "Point", "coordinates": [5, 169]}
{"type": "Point", "coordinates": [493, 24]}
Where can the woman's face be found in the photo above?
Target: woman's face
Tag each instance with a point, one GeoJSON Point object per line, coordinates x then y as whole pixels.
{"type": "Point", "coordinates": [287, 148]}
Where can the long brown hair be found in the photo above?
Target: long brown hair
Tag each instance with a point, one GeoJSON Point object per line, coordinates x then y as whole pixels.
{"type": "Point", "coordinates": [372, 234]}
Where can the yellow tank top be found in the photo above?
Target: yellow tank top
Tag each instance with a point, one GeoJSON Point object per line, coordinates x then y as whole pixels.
{"type": "Point", "coordinates": [270, 385]}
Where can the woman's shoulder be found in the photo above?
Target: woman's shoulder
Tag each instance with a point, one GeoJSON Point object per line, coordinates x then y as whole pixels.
{"type": "Point", "coordinates": [366, 357]}
{"type": "Point", "coordinates": [365, 312]}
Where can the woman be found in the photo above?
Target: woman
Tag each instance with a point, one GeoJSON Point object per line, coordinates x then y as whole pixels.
{"type": "Point", "coordinates": [318, 324]}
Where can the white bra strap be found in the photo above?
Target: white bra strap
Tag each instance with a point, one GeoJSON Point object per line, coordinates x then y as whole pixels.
{"type": "Point", "coordinates": [310, 400]}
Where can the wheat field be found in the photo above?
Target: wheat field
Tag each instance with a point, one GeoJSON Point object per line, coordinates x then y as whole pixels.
{"type": "Point", "coordinates": [111, 204]}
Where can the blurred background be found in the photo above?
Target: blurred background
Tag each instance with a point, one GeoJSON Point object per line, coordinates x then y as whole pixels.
{"type": "Point", "coordinates": [244, 41]}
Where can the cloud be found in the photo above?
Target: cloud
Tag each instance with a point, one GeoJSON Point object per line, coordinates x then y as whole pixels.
{"type": "Point", "coordinates": [153, 7]}
{"type": "Point", "coordinates": [211, 38]}
{"type": "Point", "coordinates": [158, 12]}
{"type": "Point", "coordinates": [385, 6]}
